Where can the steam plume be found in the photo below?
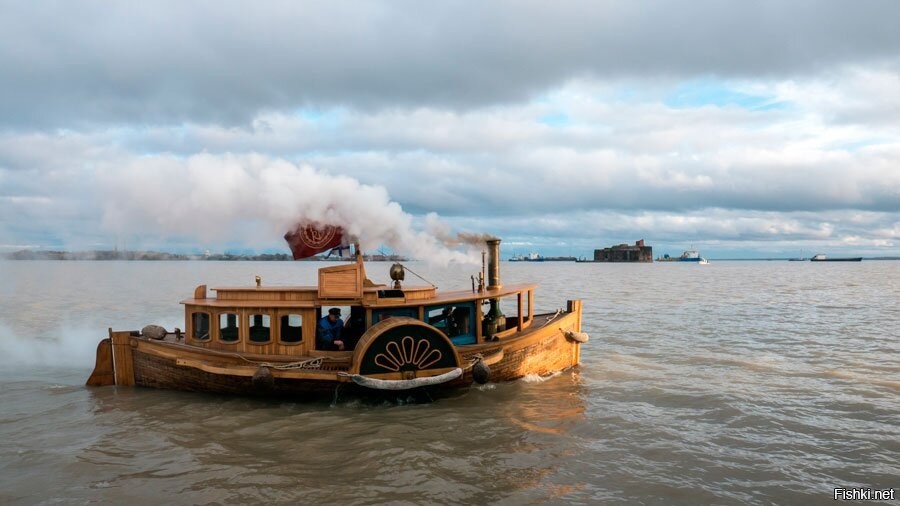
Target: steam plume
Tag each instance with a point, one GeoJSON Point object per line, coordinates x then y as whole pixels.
{"type": "Point", "coordinates": [257, 199]}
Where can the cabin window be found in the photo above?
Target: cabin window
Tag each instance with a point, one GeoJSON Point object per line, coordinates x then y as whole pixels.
{"type": "Point", "coordinates": [350, 325]}
{"type": "Point", "coordinates": [260, 327]}
{"type": "Point", "coordinates": [291, 328]}
{"type": "Point", "coordinates": [354, 327]}
{"type": "Point", "coordinates": [200, 322]}
{"type": "Point", "coordinates": [228, 327]}
{"type": "Point", "coordinates": [509, 307]}
{"type": "Point", "coordinates": [457, 321]}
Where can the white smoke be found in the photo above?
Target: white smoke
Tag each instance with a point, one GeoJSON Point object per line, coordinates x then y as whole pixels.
{"type": "Point", "coordinates": [256, 199]}
{"type": "Point", "coordinates": [70, 347]}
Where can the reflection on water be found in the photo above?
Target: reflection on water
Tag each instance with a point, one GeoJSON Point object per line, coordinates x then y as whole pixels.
{"type": "Point", "coordinates": [732, 383]}
{"type": "Point", "coordinates": [249, 449]}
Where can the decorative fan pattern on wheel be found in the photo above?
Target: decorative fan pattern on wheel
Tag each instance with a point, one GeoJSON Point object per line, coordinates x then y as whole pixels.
{"type": "Point", "coordinates": [402, 345]}
{"type": "Point", "coordinates": [409, 353]}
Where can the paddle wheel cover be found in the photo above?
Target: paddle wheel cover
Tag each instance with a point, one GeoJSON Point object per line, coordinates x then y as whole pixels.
{"type": "Point", "coordinates": [406, 346]}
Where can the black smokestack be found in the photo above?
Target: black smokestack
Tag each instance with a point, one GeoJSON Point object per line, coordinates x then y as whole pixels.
{"type": "Point", "coordinates": [493, 246]}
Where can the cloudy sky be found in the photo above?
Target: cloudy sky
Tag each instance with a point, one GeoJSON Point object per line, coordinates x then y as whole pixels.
{"type": "Point", "coordinates": [745, 129]}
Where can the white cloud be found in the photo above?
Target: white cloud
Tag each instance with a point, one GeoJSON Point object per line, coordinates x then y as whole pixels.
{"type": "Point", "coordinates": [166, 62]}
{"type": "Point", "coordinates": [531, 122]}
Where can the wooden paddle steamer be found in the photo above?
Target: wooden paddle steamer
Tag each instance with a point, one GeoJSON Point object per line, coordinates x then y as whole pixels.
{"type": "Point", "coordinates": [261, 340]}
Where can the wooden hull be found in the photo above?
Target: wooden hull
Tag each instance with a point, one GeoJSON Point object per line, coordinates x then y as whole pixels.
{"type": "Point", "coordinates": [130, 359]}
{"type": "Point", "coordinates": [154, 371]}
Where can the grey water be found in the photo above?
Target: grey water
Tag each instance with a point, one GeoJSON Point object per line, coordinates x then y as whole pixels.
{"type": "Point", "coordinates": [728, 383]}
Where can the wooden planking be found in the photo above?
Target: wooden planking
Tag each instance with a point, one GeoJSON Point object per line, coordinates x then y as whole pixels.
{"type": "Point", "coordinates": [420, 294]}
{"type": "Point", "coordinates": [530, 304]}
{"type": "Point", "coordinates": [103, 373]}
{"type": "Point", "coordinates": [270, 348]}
{"type": "Point", "coordinates": [248, 295]}
{"type": "Point", "coordinates": [243, 344]}
{"type": "Point", "coordinates": [340, 282]}
{"type": "Point", "coordinates": [479, 317]}
{"type": "Point", "coordinates": [159, 371]}
{"type": "Point", "coordinates": [519, 305]}
{"type": "Point", "coordinates": [575, 307]}
{"type": "Point", "coordinates": [180, 350]}
{"type": "Point", "coordinates": [415, 296]}
{"type": "Point", "coordinates": [293, 349]}
{"type": "Point", "coordinates": [247, 303]}
{"type": "Point", "coordinates": [273, 293]}
{"type": "Point", "coordinates": [541, 349]}
{"type": "Point", "coordinates": [512, 331]}
{"type": "Point", "coordinates": [122, 358]}
{"type": "Point", "coordinates": [297, 296]}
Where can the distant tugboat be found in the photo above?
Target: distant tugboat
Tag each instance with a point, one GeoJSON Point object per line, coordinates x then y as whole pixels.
{"type": "Point", "coordinates": [822, 258]}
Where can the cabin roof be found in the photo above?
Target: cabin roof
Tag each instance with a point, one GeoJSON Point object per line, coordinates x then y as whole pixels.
{"type": "Point", "coordinates": [267, 292]}
{"type": "Point", "coordinates": [458, 296]}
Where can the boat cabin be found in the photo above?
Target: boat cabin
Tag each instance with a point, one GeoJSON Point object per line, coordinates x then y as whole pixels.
{"type": "Point", "coordinates": [282, 320]}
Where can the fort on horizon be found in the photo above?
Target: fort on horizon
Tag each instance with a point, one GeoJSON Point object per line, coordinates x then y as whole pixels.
{"type": "Point", "coordinates": [625, 253]}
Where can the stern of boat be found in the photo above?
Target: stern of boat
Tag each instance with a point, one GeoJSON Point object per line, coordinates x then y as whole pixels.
{"type": "Point", "coordinates": [113, 364]}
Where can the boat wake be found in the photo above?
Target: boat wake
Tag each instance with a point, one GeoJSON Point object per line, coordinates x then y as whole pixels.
{"type": "Point", "coordinates": [861, 378]}
{"type": "Point", "coordinates": [537, 378]}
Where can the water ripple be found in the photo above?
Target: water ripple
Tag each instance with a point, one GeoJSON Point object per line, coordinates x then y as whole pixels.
{"type": "Point", "coordinates": [737, 382]}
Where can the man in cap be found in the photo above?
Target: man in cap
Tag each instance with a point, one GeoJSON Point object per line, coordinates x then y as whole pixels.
{"type": "Point", "coordinates": [328, 331]}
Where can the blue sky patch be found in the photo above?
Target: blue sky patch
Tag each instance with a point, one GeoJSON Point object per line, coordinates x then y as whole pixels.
{"type": "Point", "coordinates": [703, 92]}
{"type": "Point", "coordinates": [557, 119]}
{"type": "Point", "coordinates": [321, 117]}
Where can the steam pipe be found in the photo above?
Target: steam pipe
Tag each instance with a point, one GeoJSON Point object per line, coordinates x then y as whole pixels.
{"type": "Point", "coordinates": [481, 274]}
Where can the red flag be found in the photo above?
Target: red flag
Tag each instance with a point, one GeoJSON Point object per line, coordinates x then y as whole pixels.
{"type": "Point", "coordinates": [308, 240]}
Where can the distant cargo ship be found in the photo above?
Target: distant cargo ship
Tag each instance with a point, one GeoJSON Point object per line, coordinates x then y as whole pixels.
{"type": "Point", "coordinates": [531, 257]}
{"type": "Point", "coordinates": [690, 255]}
{"type": "Point", "coordinates": [822, 258]}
